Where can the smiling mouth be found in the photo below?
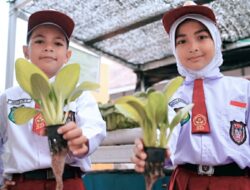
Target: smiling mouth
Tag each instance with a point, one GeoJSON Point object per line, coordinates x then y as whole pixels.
{"type": "Point", "coordinates": [48, 58]}
{"type": "Point", "coordinates": [194, 59]}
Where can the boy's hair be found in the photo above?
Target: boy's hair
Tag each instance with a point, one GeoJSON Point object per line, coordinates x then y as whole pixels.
{"type": "Point", "coordinates": [171, 16]}
{"type": "Point", "coordinates": [51, 17]}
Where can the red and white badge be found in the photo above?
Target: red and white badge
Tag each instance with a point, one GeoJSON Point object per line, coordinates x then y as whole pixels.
{"type": "Point", "coordinates": [238, 132]}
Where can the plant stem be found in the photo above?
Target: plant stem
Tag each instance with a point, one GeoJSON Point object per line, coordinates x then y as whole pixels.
{"type": "Point", "coordinates": [46, 112]}
{"type": "Point", "coordinates": [150, 180]}
{"type": "Point", "coordinates": [52, 111]}
{"type": "Point", "coordinates": [60, 108]}
{"type": "Point", "coordinates": [169, 135]}
{"type": "Point", "coordinates": [65, 116]}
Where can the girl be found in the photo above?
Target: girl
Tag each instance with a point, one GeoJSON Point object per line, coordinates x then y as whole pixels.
{"type": "Point", "coordinates": [210, 148]}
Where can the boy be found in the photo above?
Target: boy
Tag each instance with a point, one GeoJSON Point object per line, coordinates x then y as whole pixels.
{"type": "Point", "coordinates": [210, 150]}
{"type": "Point", "coordinates": [26, 156]}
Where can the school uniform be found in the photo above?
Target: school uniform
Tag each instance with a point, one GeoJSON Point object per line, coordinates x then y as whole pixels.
{"type": "Point", "coordinates": [26, 155]}
{"type": "Point", "coordinates": [228, 116]}
{"type": "Point", "coordinates": [210, 150]}
{"type": "Point", "coordinates": [218, 158]}
{"type": "Point", "coordinates": [225, 151]}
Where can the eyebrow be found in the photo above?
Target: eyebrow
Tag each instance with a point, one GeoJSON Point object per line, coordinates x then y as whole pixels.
{"type": "Point", "coordinates": [202, 30]}
{"type": "Point", "coordinates": [42, 36]}
{"type": "Point", "coordinates": [197, 32]}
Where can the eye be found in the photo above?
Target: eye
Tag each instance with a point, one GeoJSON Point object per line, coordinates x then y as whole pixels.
{"type": "Point", "coordinates": [38, 41]}
{"type": "Point", "coordinates": [180, 41]}
{"type": "Point", "coordinates": [202, 37]}
{"type": "Point", "coordinates": [59, 44]}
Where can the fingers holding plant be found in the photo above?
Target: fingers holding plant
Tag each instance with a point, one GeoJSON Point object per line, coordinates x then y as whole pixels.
{"type": "Point", "coordinates": [139, 156]}
{"type": "Point", "coordinates": [77, 142]}
{"type": "Point", "coordinates": [168, 153]}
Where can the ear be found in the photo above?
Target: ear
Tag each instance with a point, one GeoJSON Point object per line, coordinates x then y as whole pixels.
{"type": "Point", "coordinates": [26, 52]}
{"type": "Point", "coordinates": [68, 56]}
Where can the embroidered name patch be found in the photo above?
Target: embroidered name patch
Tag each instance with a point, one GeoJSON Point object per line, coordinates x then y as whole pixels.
{"type": "Point", "coordinates": [238, 132]}
{"type": "Point", "coordinates": [19, 101]}
{"type": "Point", "coordinates": [176, 101]}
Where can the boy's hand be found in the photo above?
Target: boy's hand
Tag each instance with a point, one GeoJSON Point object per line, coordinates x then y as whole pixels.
{"type": "Point", "coordinates": [78, 144]}
{"type": "Point", "coordinates": [139, 156]}
{"type": "Point", "coordinates": [7, 184]}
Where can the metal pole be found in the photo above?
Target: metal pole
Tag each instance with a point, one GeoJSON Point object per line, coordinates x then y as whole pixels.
{"type": "Point", "coordinates": [11, 46]}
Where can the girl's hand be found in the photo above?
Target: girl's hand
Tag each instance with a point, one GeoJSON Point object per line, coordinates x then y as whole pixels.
{"type": "Point", "coordinates": [78, 143]}
{"type": "Point", "coordinates": [167, 153]}
{"type": "Point", "coordinates": [139, 156]}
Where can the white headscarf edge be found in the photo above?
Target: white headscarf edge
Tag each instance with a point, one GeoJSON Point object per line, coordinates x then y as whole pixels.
{"type": "Point", "coordinates": [212, 69]}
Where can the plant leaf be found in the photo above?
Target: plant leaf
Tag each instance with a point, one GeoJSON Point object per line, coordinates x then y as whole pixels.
{"type": "Point", "coordinates": [163, 132]}
{"type": "Point", "coordinates": [150, 90]}
{"type": "Point", "coordinates": [24, 70]}
{"type": "Point", "coordinates": [124, 99]}
{"type": "Point", "coordinates": [41, 90]}
{"type": "Point", "coordinates": [140, 94]}
{"type": "Point", "coordinates": [136, 103]}
{"type": "Point", "coordinates": [40, 86]}
{"type": "Point", "coordinates": [130, 112]}
{"type": "Point", "coordinates": [180, 115]}
{"type": "Point", "coordinates": [66, 80]}
{"type": "Point", "coordinates": [172, 87]}
{"type": "Point", "coordinates": [84, 86]}
{"type": "Point", "coordinates": [24, 114]}
{"type": "Point", "coordinates": [156, 107]}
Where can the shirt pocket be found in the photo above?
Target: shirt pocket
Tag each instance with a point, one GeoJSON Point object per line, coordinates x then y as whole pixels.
{"type": "Point", "coordinates": [235, 113]}
{"type": "Point", "coordinates": [237, 124]}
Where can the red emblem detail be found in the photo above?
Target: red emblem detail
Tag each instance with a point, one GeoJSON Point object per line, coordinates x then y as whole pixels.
{"type": "Point", "coordinates": [199, 121]}
{"type": "Point", "coordinates": [238, 132]}
{"type": "Point", "coordinates": [39, 124]}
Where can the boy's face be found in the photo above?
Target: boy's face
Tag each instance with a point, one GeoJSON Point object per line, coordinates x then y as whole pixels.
{"type": "Point", "coordinates": [194, 46]}
{"type": "Point", "coordinates": [47, 49]}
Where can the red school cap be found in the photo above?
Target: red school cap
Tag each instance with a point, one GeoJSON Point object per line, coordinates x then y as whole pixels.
{"type": "Point", "coordinates": [51, 17]}
{"type": "Point", "coordinates": [171, 16]}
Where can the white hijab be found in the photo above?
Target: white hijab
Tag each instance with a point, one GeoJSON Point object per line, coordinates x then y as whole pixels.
{"type": "Point", "coordinates": [212, 69]}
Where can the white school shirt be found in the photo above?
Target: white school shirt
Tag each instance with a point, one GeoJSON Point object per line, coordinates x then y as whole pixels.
{"type": "Point", "coordinates": [227, 101]}
{"type": "Point", "coordinates": [26, 151]}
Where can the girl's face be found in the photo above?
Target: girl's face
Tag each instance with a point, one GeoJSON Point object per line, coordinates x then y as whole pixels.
{"type": "Point", "coordinates": [47, 49]}
{"type": "Point", "coordinates": [194, 45]}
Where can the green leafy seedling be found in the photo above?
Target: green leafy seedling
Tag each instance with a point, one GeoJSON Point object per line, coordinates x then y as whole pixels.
{"type": "Point", "coordinates": [151, 113]}
{"type": "Point", "coordinates": [52, 97]}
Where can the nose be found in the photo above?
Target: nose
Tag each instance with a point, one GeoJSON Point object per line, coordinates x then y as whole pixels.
{"type": "Point", "coordinates": [193, 50]}
{"type": "Point", "coordinates": [48, 48]}
{"type": "Point", "coordinates": [193, 47]}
